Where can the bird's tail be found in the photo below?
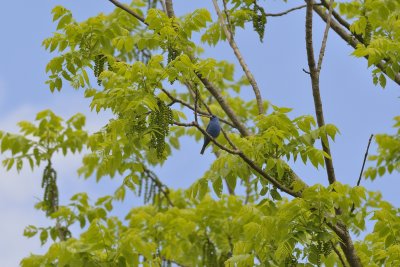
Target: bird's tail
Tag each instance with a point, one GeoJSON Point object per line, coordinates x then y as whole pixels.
{"type": "Point", "coordinates": [202, 149]}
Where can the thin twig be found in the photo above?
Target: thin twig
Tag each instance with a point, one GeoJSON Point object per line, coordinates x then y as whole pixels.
{"type": "Point", "coordinates": [325, 38]}
{"type": "Point", "coordinates": [365, 158]}
{"type": "Point", "coordinates": [190, 87]}
{"type": "Point", "coordinates": [228, 18]}
{"type": "Point", "coordinates": [284, 12]}
{"type": "Point", "coordinates": [287, 11]}
{"type": "Point", "coordinates": [353, 207]}
{"type": "Point", "coordinates": [129, 10]}
{"type": "Point", "coordinates": [236, 51]}
{"type": "Point", "coordinates": [228, 139]}
{"type": "Point", "coordinates": [164, 7]}
{"type": "Point", "coordinates": [336, 15]}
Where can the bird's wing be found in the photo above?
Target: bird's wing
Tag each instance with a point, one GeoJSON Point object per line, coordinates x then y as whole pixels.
{"type": "Point", "coordinates": [208, 127]}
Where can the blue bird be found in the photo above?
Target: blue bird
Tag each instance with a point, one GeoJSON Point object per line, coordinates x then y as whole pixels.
{"type": "Point", "coordinates": [213, 129]}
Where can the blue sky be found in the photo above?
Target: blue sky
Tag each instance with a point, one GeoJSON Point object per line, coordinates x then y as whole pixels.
{"type": "Point", "coordinates": [351, 102]}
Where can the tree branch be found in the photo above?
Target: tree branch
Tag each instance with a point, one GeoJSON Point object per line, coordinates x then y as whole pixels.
{"type": "Point", "coordinates": [325, 38]}
{"type": "Point", "coordinates": [314, 74]}
{"type": "Point", "coordinates": [287, 11]}
{"type": "Point", "coordinates": [236, 51]}
{"type": "Point", "coordinates": [365, 158]}
{"type": "Point", "coordinates": [228, 19]}
{"type": "Point", "coordinates": [225, 106]}
{"type": "Point", "coordinates": [284, 12]}
{"type": "Point", "coordinates": [346, 244]}
{"type": "Point", "coordinates": [339, 228]}
{"type": "Point", "coordinates": [129, 10]}
{"type": "Point", "coordinates": [183, 103]}
{"type": "Point", "coordinates": [338, 254]}
{"type": "Point", "coordinates": [231, 114]}
{"type": "Point", "coordinates": [362, 169]}
{"type": "Point", "coordinates": [194, 124]}
{"type": "Point", "coordinates": [170, 8]}
{"type": "Point", "coordinates": [237, 124]}
{"type": "Point", "coordinates": [350, 39]}
{"type": "Point", "coordinates": [249, 162]}
{"type": "Point", "coordinates": [336, 15]}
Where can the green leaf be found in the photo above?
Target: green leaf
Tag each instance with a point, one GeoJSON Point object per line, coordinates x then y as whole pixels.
{"type": "Point", "coordinates": [275, 194]}
{"type": "Point", "coordinates": [382, 80]}
{"type": "Point", "coordinates": [30, 231]}
{"type": "Point", "coordinates": [203, 188]}
{"type": "Point", "coordinates": [271, 162]}
{"type": "Point", "coordinates": [44, 236]}
{"type": "Point", "coordinates": [217, 186]}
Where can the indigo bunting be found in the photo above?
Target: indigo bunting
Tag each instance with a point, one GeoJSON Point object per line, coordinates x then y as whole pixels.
{"type": "Point", "coordinates": [213, 129]}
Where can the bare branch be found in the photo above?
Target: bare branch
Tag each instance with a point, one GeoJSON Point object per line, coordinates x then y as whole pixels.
{"type": "Point", "coordinates": [362, 169]}
{"type": "Point", "coordinates": [351, 39]}
{"type": "Point", "coordinates": [236, 51]}
{"type": "Point", "coordinates": [314, 74]}
{"type": "Point", "coordinates": [336, 15]}
{"type": "Point", "coordinates": [129, 10]}
{"type": "Point", "coordinates": [190, 87]}
{"type": "Point", "coordinates": [365, 158]}
{"type": "Point", "coordinates": [284, 12]}
{"type": "Point", "coordinates": [228, 19]}
{"type": "Point", "coordinates": [164, 7]}
{"type": "Point", "coordinates": [325, 38]}
{"type": "Point", "coordinates": [170, 8]}
{"type": "Point", "coordinates": [269, 178]}
{"type": "Point", "coordinates": [228, 139]}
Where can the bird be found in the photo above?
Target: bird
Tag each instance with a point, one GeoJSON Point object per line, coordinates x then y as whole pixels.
{"type": "Point", "coordinates": [213, 129]}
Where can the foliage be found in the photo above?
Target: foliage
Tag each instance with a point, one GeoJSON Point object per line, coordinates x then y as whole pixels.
{"type": "Point", "coordinates": [147, 75]}
{"type": "Point", "coordinates": [377, 22]}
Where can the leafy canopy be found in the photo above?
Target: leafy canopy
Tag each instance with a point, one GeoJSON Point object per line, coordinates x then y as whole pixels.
{"type": "Point", "coordinates": [149, 73]}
